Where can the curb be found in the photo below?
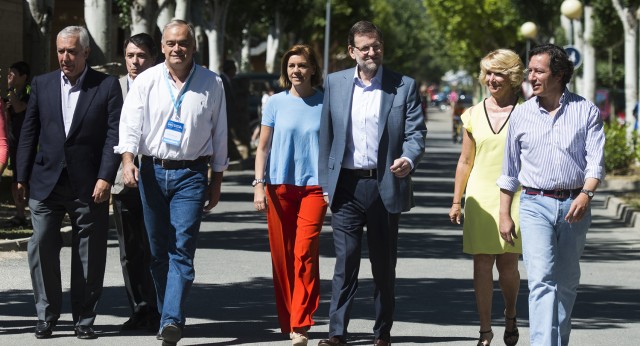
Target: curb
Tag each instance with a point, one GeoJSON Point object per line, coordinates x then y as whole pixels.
{"type": "Point", "coordinates": [21, 244]}
{"type": "Point", "coordinates": [623, 212]}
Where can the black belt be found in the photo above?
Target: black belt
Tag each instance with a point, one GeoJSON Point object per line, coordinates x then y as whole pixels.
{"type": "Point", "coordinates": [361, 173]}
{"type": "Point", "coordinates": [557, 194]}
{"type": "Point", "coordinates": [176, 164]}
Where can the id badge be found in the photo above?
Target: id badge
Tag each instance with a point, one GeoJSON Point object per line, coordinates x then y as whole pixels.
{"type": "Point", "coordinates": [173, 133]}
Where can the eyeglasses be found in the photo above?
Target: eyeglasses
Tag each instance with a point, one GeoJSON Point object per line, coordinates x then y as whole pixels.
{"type": "Point", "coordinates": [366, 49]}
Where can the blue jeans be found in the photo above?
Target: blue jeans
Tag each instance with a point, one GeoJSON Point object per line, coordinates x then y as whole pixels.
{"type": "Point", "coordinates": [172, 205]}
{"type": "Point", "coordinates": [551, 249]}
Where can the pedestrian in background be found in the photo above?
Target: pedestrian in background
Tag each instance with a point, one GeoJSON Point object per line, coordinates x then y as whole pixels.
{"type": "Point", "coordinates": [175, 117]}
{"type": "Point", "coordinates": [371, 139]}
{"type": "Point", "coordinates": [140, 53]}
{"type": "Point", "coordinates": [66, 160]}
{"type": "Point", "coordinates": [17, 98]}
{"type": "Point", "coordinates": [480, 165]}
{"type": "Point", "coordinates": [287, 163]}
{"type": "Point", "coordinates": [555, 150]}
{"type": "Point", "coordinates": [4, 147]}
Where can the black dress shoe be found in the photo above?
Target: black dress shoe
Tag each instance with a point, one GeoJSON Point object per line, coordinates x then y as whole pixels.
{"type": "Point", "coordinates": [332, 341]}
{"type": "Point", "coordinates": [84, 332]}
{"type": "Point", "coordinates": [381, 342]}
{"type": "Point", "coordinates": [137, 321]}
{"type": "Point", "coordinates": [44, 329]}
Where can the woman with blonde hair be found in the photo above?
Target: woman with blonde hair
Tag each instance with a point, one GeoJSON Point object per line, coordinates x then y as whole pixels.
{"type": "Point", "coordinates": [287, 163]}
{"type": "Point", "coordinates": [480, 165]}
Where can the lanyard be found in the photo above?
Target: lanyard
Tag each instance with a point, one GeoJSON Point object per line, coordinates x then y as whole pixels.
{"type": "Point", "coordinates": [177, 104]}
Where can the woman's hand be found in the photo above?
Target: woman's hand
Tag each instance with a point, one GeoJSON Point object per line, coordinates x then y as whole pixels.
{"type": "Point", "coordinates": [454, 213]}
{"type": "Point", "coordinates": [259, 198]}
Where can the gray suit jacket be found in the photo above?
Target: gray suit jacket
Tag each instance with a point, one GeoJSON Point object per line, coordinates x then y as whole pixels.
{"type": "Point", "coordinates": [118, 185]}
{"type": "Point", "coordinates": [401, 133]}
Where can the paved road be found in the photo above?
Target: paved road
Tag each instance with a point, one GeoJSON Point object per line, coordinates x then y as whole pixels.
{"type": "Point", "coordinates": [232, 303]}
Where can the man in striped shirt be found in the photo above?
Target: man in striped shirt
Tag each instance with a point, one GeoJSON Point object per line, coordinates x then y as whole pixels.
{"type": "Point", "coordinates": [555, 150]}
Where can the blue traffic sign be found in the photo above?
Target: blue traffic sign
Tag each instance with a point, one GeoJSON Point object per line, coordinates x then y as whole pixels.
{"type": "Point", "coordinates": [574, 55]}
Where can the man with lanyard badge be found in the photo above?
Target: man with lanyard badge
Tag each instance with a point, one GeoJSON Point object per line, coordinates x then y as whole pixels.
{"type": "Point", "coordinates": [177, 141]}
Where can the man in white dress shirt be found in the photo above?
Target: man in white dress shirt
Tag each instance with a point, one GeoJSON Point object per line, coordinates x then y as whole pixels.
{"type": "Point", "coordinates": [175, 117]}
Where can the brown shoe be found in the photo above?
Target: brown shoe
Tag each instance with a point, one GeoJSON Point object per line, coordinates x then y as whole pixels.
{"type": "Point", "coordinates": [381, 342]}
{"type": "Point", "coordinates": [332, 341]}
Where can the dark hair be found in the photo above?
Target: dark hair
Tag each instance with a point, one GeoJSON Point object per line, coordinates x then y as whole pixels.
{"type": "Point", "coordinates": [363, 27]}
{"type": "Point", "coordinates": [228, 66]}
{"type": "Point", "coordinates": [22, 68]}
{"type": "Point", "coordinates": [142, 41]}
{"type": "Point", "coordinates": [307, 52]}
{"type": "Point", "coordinates": [559, 62]}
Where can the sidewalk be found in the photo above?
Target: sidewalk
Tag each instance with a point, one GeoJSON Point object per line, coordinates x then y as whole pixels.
{"type": "Point", "coordinates": [231, 302]}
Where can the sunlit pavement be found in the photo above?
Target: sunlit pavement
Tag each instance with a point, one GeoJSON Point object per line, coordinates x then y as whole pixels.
{"type": "Point", "coordinates": [231, 302]}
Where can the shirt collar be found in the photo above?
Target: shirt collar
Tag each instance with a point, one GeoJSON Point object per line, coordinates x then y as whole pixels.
{"type": "Point", "coordinates": [375, 81]}
{"type": "Point", "coordinates": [65, 80]}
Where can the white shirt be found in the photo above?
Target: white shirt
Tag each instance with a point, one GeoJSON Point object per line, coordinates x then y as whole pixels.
{"type": "Point", "coordinates": [362, 138]}
{"type": "Point", "coordinates": [148, 107]}
{"type": "Point", "coordinates": [69, 94]}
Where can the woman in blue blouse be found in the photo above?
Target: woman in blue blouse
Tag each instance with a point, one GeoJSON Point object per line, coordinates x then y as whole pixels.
{"type": "Point", "coordinates": [287, 168]}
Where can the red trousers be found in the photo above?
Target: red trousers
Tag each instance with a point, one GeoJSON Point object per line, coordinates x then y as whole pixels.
{"type": "Point", "coordinates": [295, 216]}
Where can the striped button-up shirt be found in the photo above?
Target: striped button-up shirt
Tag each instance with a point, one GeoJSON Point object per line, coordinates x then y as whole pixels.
{"type": "Point", "coordinates": [558, 152]}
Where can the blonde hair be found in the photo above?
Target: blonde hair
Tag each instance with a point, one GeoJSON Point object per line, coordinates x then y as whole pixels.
{"type": "Point", "coordinates": [503, 61]}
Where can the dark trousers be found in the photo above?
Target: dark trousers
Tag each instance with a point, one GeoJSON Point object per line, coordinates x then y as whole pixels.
{"type": "Point", "coordinates": [135, 256]}
{"type": "Point", "coordinates": [357, 203]}
{"type": "Point", "coordinates": [88, 252]}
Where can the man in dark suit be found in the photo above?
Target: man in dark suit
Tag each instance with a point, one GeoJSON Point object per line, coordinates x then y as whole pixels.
{"type": "Point", "coordinates": [65, 158]}
{"type": "Point", "coordinates": [140, 53]}
{"type": "Point", "coordinates": [371, 139]}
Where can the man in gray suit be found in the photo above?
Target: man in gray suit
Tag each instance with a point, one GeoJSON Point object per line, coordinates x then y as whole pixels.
{"type": "Point", "coordinates": [140, 53]}
{"type": "Point", "coordinates": [371, 139]}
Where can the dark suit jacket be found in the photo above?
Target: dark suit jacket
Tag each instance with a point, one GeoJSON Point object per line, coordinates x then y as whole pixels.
{"type": "Point", "coordinates": [401, 133]}
{"type": "Point", "coordinates": [87, 151]}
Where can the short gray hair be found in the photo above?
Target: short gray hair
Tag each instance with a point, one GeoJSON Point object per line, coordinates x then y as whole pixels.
{"type": "Point", "coordinates": [77, 31]}
{"type": "Point", "coordinates": [178, 22]}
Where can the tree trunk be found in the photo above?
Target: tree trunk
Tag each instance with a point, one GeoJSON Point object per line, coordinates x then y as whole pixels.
{"type": "Point", "coordinates": [97, 14]}
{"type": "Point", "coordinates": [166, 12]}
{"type": "Point", "coordinates": [245, 55]}
{"type": "Point", "coordinates": [182, 10]}
{"type": "Point", "coordinates": [37, 28]}
{"type": "Point", "coordinates": [143, 16]}
{"type": "Point", "coordinates": [216, 11]}
{"type": "Point", "coordinates": [629, 24]}
{"type": "Point", "coordinates": [589, 57]}
{"type": "Point", "coordinates": [273, 42]}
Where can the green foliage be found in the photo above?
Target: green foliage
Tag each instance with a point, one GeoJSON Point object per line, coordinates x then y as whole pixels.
{"type": "Point", "coordinates": [124, 12]}
{"type": "Point", "coordinates": [472, 28]}
{"type": "Point", "coordinates": [619, 155]}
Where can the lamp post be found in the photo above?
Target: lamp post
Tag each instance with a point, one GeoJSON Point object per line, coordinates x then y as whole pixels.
{"type": "Point", "coordinates": [571, 9]}
{"type": "Point", "coordinates": [529, 31]}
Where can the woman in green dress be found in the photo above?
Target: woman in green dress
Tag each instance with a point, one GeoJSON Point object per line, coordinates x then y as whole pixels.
{"type": "Point", "coordinates": [480, 165]}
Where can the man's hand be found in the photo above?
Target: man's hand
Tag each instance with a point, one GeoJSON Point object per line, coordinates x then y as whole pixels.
{"type": "Point", "coordinates": [213, 191]}
{"type": "Point", "coordinates": [578, 208]}
{"type": "Point", "coordinates": [129, 171]}
{"type": "Point", "coordinates": [22, 192]}
{"type": "Point", "coordinates": [101, 191]}
{"type": "Point", "coordinates": [507, 229]}
{"type": "Point", "coordinates": [400, 168]}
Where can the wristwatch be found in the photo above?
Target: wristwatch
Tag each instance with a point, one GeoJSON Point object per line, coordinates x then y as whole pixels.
{"type": "Point", "coordinates": [257, 181]}
{"type": "Point", "coordinates": [589, 193]}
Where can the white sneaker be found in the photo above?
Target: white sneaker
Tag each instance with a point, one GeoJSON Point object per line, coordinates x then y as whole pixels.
{"type": "Point", "coordinates": [298, 339]}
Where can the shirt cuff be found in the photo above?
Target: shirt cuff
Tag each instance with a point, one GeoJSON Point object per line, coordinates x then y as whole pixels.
{"type": "Point", "coordinates": [508, 183]}
{"type": "Point", "coordinates": [121, 149]}
{"type": "Point", "coordinates": [410, 161]}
